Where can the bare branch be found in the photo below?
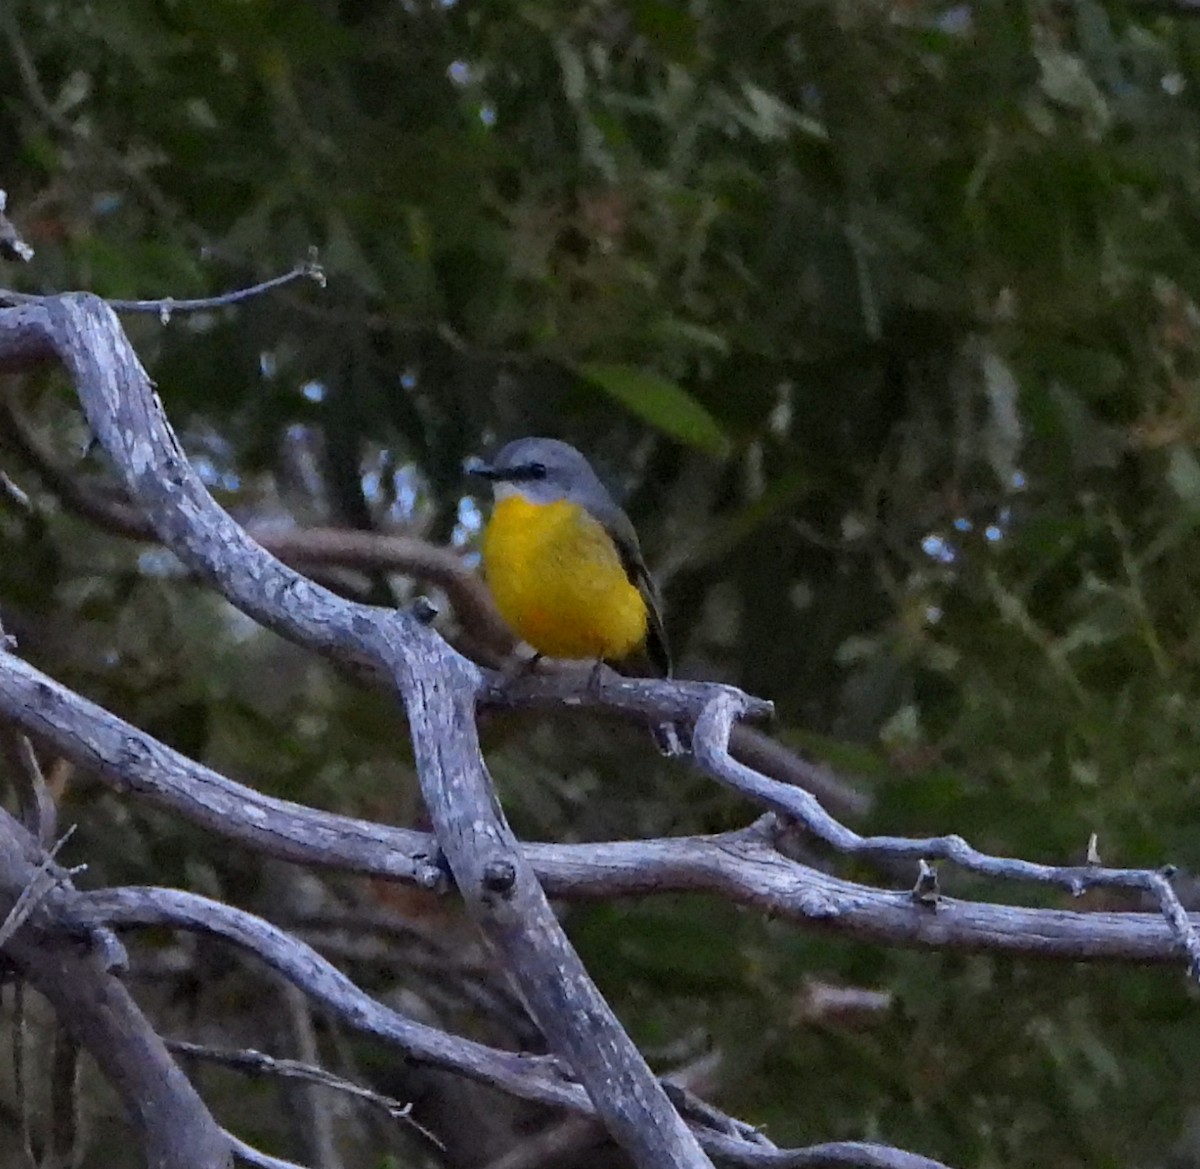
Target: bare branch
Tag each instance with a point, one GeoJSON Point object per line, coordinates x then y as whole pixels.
{"type": "Point", "coordinates": [438, 688]}
{"type": "Point", "coordinates": [12, 246]}
{"type": "Point", "coordinates": [711, 745]}
{"type": "Point", "coordinates": [166, 307]}
{"type": "Point", "coordinates": [259, 1063]}
{"type": "Point", "coordinates": [440, 691]}
{"type": "Point", "coordinates": [171, 1121]}
{"type": "Point", "coordinates": [542, 1079]}
{"type": "Point", "coordinates": [743, 865]}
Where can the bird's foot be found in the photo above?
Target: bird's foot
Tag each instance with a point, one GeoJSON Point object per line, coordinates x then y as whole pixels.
{"type": "Point", "coordinates": [595, 681]}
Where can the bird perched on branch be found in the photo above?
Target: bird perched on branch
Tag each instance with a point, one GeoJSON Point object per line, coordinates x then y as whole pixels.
{"type": "Point", "coordinates": [563, 561]}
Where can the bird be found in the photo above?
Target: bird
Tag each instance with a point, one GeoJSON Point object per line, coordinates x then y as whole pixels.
{"type": "Point", "coordinates": [563, 562]}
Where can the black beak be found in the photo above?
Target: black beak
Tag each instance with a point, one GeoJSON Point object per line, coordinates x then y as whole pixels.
{"type": "Point", "coordinates": [481, 470]}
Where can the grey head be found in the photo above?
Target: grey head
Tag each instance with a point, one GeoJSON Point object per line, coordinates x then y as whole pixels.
{"type": "Point", "coordinates": [545, 470]}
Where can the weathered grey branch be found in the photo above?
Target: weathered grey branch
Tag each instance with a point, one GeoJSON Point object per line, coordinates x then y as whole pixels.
{"type": "Point", "coordinates": [91, 1003]}
{"type": "Point", "coordinates": [259, 1063]}
{"type": "Point", "coordinates": [711, 746]}
{"type": "Point", "coordinates": [438, 688]}
{"type": "Point", "coordinates": [310, 548]}
{"type": "Point", "coordinates": [743, 865]}
{"type": "Point", "coordinates": [12, 245]}
{"type": "Point", "coordinates": [542, 1079]}
{"type": "Point", "coordinates": [441, 691]}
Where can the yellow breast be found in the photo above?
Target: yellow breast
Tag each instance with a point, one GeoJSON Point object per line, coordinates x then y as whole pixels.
{"type": "Point", "coordinates": [559, 583]}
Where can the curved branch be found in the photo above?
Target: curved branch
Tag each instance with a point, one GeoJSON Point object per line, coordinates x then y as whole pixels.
{"type": "Point", "coordinates": [743, 866]}
{"type": "Point", "coordinates": [175, 1128]}
{"type": "Point", "coordinates": [441, 691]}
{"type": "Point", "coordinates": [469, 597]}
{"type": "Point", "coordinates": [711, 745]}
{"type": "Point", "coordinates": [538, 1078]}
{"type": "Point", "coordinates": [438, 688]}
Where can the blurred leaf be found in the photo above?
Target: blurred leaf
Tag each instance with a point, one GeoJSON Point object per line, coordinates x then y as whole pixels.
{"type": "Point", "coordinates": [661, 403]}
{"type": "Point", "coordinates": [1183, 474]}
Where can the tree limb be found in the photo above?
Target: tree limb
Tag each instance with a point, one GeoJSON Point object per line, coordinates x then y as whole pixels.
{"type": "Point", "coordinates": [307, 548]}
{"type": "Point", "coordinates": [711, 746]}
{"type": "Point", "coordinates": [170, 1119]}
{"type": "Point", "coordinates": [541, 1079]}
{"type": "Point", "coordinates": [438, 689]}
{"type": "Point", "coordinates": [441, 691]}
{"type": "Point", "coordinates": [743, 865]}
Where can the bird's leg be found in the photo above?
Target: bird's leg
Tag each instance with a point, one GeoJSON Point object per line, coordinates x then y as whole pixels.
{"type": "Point", "coordinates": [595, 682]}
{"type": "Point", "coordinates": [518, 667]}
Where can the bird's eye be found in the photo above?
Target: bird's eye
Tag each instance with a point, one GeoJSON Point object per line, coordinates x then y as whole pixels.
{"type": "Point", "coordinates": [536, 470]}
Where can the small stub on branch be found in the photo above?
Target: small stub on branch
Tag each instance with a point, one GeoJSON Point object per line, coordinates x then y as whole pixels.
{"type": "Point", "coordinates": [431, 875]}
{"type": "Point", "coordinates": [312, 267]}
{"type": "Point", "coordinates": [1093, 851]}
{"type": "Point", "coordinates": [424, 610]}
{"type": "Point", "coordinates": [666, 738]}
{"type": "Point", "coordinates": [500, 877]}
{"type": "Point", "coordinates": [12, 246]}
{"type": "Point", "coordinates": [45, 880]}
{"type": "Point", "coordinates": [926, 891]}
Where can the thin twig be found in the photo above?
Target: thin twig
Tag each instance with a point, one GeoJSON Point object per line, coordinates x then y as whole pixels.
{"type": "Point", "coordinates": [710, 744]}
{"type": "Point", "coordinates": [45, 878]}
{"type": "Point", "coordinates": [167, 307]}
{"type": "Point", "coordinates": [12, 246]}
{"type": "Point", "coordinates": [259, 1063]}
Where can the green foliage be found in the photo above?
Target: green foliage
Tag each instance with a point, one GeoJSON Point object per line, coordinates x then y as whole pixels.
{"type": "Point", "coordinates": [885, 322]}
{"type": "Point", "coordinates": [660, 403]}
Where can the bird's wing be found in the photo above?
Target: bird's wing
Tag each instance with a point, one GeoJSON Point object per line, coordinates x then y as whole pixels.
{"type": "Point", "coordinates": [625, 538]}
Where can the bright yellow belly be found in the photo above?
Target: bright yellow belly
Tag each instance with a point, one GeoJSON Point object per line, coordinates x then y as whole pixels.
{"type": "Point", "coordinates": [559, 583]}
